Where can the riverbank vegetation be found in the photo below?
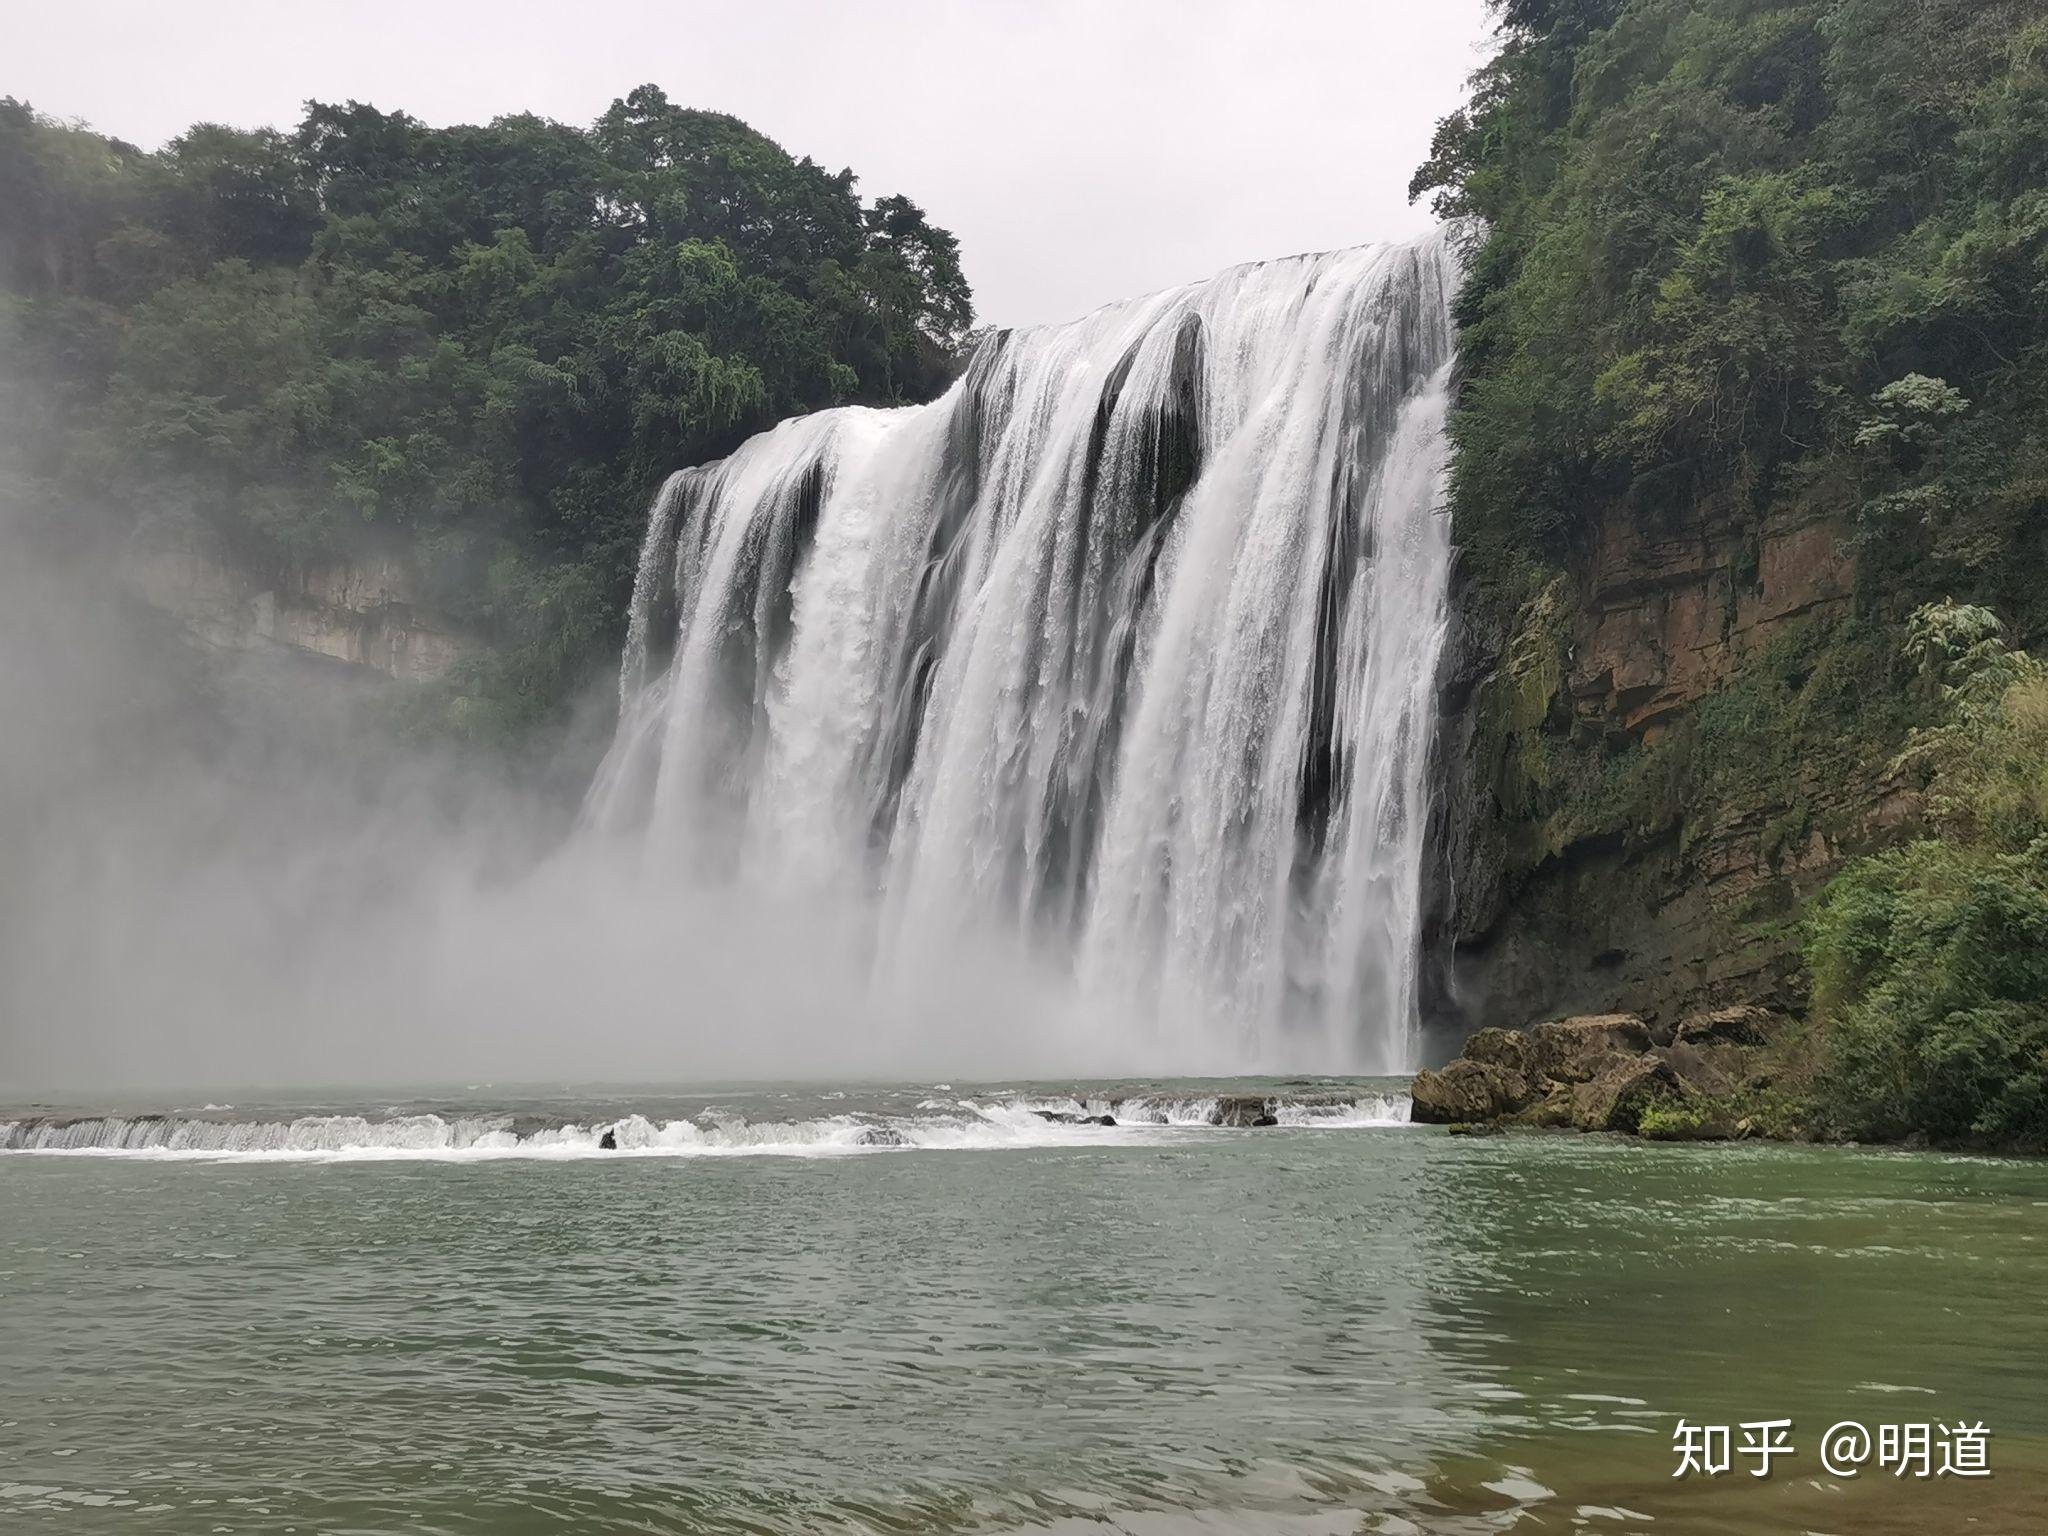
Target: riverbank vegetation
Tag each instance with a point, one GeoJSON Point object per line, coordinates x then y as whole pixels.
{"type": "Point", "coordinates": [488, 343]}
{"type": "Point", "coordinates": [1769, 263]}
{"type": "Point", "coordinates": [1931, 959]}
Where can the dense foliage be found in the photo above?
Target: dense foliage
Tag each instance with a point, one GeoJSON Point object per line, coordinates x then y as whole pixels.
{"type": "Point", "coordinates": [1931, 959]}
{"type": "Point", "coordinates": [1757, 249]}
{"type": "Point", "coordinates": [1738, 261]}
{"type": "Point", "coordinates": [488, 343]}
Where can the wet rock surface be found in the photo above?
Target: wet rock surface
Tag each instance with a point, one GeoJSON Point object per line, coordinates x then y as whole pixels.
{"type": "Point", "coordinates": [1233, 1110]}
{"type": "Point", "coordinates": [1539, 903]}
{"type": "Point", "coordinates": [1467, 1091]}
{"type": "Point", "coordinates": [1626, 1086]}
{"type": "Point", "coordinates": [1244, 1110]}
{"type": "Point", "coordinates": [1605, 1072]}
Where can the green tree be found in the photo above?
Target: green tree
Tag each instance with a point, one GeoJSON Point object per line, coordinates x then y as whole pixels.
{"type": "Point", "coordinates": [491, 341]}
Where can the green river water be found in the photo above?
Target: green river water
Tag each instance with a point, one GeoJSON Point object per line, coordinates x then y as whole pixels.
{"type": "Point", "coordinates": [1154, 1330]}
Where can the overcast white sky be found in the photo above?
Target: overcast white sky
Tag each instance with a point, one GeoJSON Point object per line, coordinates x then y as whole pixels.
{"type": "Point", "coordinates": [1082, 151]}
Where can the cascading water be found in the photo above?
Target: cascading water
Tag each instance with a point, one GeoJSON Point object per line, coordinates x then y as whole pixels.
{"type": "Point", "coordinates": [1126, 645]}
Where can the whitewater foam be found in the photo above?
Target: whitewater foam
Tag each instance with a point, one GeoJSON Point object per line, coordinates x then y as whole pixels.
{"type": "Point", "coordinates": [967, 1124]}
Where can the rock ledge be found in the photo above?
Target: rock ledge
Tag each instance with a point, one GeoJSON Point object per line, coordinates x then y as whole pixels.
{"type": "Point", "coordinates": [1605, 1072]}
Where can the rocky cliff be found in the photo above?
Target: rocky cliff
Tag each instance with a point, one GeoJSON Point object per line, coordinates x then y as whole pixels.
{"type": "Point", "coordinates": [1646, 766]}
{"type": "Point", "coordinates": [365, 610]}
{"type": "Point", "coordinates": [1752, 372]}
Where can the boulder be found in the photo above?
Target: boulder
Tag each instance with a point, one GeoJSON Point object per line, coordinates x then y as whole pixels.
{"type": "Point", "coordinates": [1744, 1025]}
{"type": "Point", "coordinates": [1467, 1090]}
{"type": "Point", "coordinates": [1616, 1098]}
{"type": "Point", "coordinates": [1551, 1112]}
{"type": "Point", "coordinates": [1714, 1069]}
{"type": "Point", "coordinates": [1599, 1072]}
{"type": "Point", "coordinates": [1580, 1049]}
{"type": "Point", "coordinates": [1509, 1048]}
{"type": "Point", "coordinates": [1242, 1110]}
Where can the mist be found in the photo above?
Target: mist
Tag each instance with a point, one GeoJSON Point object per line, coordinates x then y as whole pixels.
{"type": "Point", "coordinates": [914, 791]}
{"type": "Point", "coordinates": [226, 869]}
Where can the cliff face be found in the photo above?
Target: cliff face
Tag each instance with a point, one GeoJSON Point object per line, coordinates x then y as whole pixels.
{"type": "Point", "coordinates": [1629, 810]}
{"type": "Point", "coordinates": [365, 611]}
{"type": "Point", "coordinates": [1735, 315]}
{"type": "Point", "coordinates": [1668, 616]}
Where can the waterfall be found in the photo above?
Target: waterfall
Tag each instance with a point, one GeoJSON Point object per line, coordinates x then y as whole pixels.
{"type": "Point", "coordinates": [1124, 649]}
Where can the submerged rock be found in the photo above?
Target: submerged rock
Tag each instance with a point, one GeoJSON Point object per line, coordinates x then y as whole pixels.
{"type": "Point", "coordinates": [1240, 1109]}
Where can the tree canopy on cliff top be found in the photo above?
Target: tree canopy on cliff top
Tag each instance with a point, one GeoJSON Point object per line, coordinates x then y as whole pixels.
{"type": "Point", "coordinates": [491, 340]}
{"type": "Point", "coordinates": [1758, 250]}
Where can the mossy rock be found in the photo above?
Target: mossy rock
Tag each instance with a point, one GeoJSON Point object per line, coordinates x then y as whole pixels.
{"type": "Point", "coordinates": [1552, 1112]}
{"type": "Point", "coordinates": [1617, 1099]}
{"type": "Point", "coordinates": [1686, 1119]}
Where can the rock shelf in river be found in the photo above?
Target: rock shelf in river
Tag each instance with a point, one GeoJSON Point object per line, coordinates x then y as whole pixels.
{"type": "Point", "coordinates": [1607, 1072]}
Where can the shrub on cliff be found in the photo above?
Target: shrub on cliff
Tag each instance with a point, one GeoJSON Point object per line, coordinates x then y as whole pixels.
{"type": "Point", "coordinates": [1931, 964]}
{"type": "Point", "coordinates": [1930, 961]}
